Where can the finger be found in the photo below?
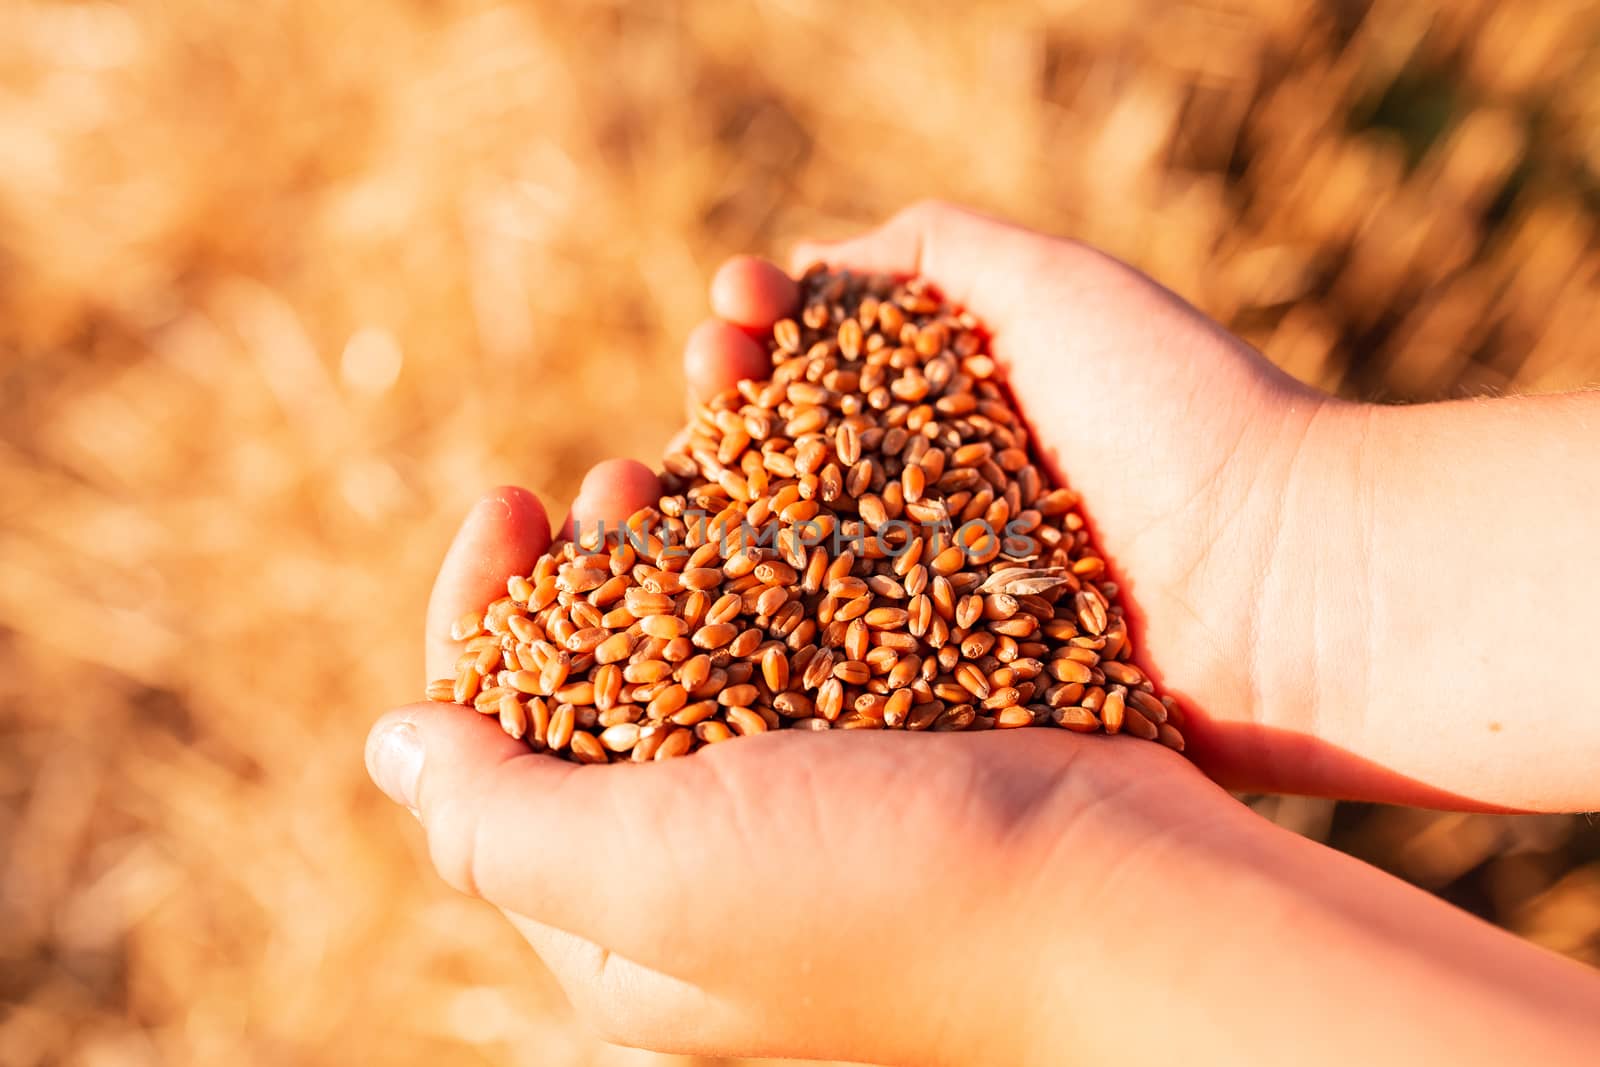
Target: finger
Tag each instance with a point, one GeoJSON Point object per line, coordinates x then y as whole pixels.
{"type": "Point", "coordinates": [753, 293]}
{"type": "Point", "coordinates": [622, 855]}
{"type": "Point", "coordinates": [973, 258]}
{"type": "Point", "coordinates": [578, 964]}
{"type": "Point", "coordinates": [627, 1004]}
{"type": "Point", "coordinates": [678, 867]}
{"type": "Point", "coordinates": [611, 492]}
{"type": "Point", "coordinates": [717, 357]}
{"type": "Point", "coordinates": [504, 534]}
{"type": "Point", "coordinates": [566, 845]}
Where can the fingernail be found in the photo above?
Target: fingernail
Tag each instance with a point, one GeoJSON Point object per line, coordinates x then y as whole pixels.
{"type": "Point", "coordinates": [488, 512]}
{"type": "Point", "coordinates": [492, 506]}
{"type": "Point", "coordinates": [396, 763]}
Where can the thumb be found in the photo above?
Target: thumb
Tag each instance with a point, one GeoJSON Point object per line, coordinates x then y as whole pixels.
{"type": "Point", "coordinates": [978, 261]}
{"type": "Point", "coordinates": [575, 847]}
{"type": "Point", "coordinates": [1075, 330]}
{"type": "Point", "coordinates": [1065, 318]}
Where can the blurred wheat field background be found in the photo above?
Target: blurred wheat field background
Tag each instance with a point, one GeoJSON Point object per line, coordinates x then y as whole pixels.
{"type": "Point", "coordinates": [284, 285]}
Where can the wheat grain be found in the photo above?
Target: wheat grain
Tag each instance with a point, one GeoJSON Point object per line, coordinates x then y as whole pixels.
{"type": "Point", "coordinates": [830, 551]}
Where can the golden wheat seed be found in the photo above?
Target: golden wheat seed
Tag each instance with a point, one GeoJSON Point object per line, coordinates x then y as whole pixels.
{"type": "Point", "coordinates": [562, 723]}
{"type": "Point", "coordinates": [712, 732]}
{"type": "Point", "coordinates": [586, 748]}
{"type": "Point", "coordinates": [1113, 711]}
{"type": "Point", "coordinates": [620, 737]}
{"type": "Point", "coordinates": [882, 405]}
{"type": "Point", "coordinates": [675, 744]}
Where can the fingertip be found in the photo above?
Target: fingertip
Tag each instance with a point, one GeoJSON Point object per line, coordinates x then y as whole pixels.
{"type": "Point", "coordinates": [514, 499]}
{"type": "Point", "coordinates": [443, 745]}
{"type": "Point", "coordinates": [468, 782]}
{"type": "Point", "coordinates": [446, 730]}
{"type": "Point", "coordinates": [611, 492]}
{"type": "Point", "coordinates": [388, 726]}
{"type": "Point", "coordinates": [445, 764]}
{"type": "Point", "coordinates": [505, 518]}
{"type": "Point", "coordinates": [753, 293]}
{"type": "Point", "coordinates": [718, 356]}
{"type": "Point", "coordinates": [619, 478]}
{"type": "Point", "coordinates": [503, 534]}
{"type": "Point", "coordinates": [395, 752]}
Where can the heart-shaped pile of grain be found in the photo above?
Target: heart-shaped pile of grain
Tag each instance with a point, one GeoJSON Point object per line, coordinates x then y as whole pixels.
{"type": "Point", "coordinates": [863, 541]}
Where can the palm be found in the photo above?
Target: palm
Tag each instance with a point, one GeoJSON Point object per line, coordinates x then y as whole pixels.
{"type": "Point", "coordinates": [817, 845]}
{"type": "Point", "coordinates": [1182, 441]}
{"type": "Point", "coordinates": [601, 869]}
{"type": "Point", "coordinates": [1184, 492]}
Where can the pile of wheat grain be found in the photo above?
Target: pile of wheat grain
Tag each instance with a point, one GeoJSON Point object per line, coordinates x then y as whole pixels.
{"type": "Point", "coordinates": [861, 541]}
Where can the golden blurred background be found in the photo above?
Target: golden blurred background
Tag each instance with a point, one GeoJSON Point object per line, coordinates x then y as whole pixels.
{"type": "Point", "coordinates": [284, 285]}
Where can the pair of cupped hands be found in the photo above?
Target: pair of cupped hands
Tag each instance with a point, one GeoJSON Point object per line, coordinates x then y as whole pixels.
{"type": "Point", "coordinates": [1000, 897]}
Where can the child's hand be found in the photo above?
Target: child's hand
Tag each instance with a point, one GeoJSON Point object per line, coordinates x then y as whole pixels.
{"type": "Point", "coordinates": [1371, 602]}
{"type": "Point", "coordinates": [1022, 896]}
{"type": "Point", "coordinates": [1016, 897]}
{"type": "Point", "coordinates": [877, 896]}
{"type": "Point", "coordinates": [1184, 442]}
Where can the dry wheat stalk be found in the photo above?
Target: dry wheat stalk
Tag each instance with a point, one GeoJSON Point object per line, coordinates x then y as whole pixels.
{"type": "Point", "coordinates": [861, 541]}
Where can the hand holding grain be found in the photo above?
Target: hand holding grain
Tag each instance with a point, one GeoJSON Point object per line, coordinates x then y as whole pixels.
{"type": "Point", "coordinates": [754, 898]}
{"type": "Point", "coordinates": [1333, 591]}
{"type": "Point", "coordinates": [1020, 896]}
{"type": "Point", "coordinates": [860, 541]}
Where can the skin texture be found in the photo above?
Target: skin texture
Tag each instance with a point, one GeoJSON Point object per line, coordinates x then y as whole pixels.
{"type": "Point", "coordinates": [1038, 896]}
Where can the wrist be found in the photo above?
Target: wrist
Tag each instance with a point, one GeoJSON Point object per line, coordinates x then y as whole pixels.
{"type": "Point", "coordinates": [1308, 637]}
{"type": "Point", "coordinates": [1255, 931]}
{"type": "Point", "coordinates": [1296, 926]}
{"type": "Point", "coordinates": [1182, 912]}
{"type": "Point", "coordinates": [1416, 534]}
